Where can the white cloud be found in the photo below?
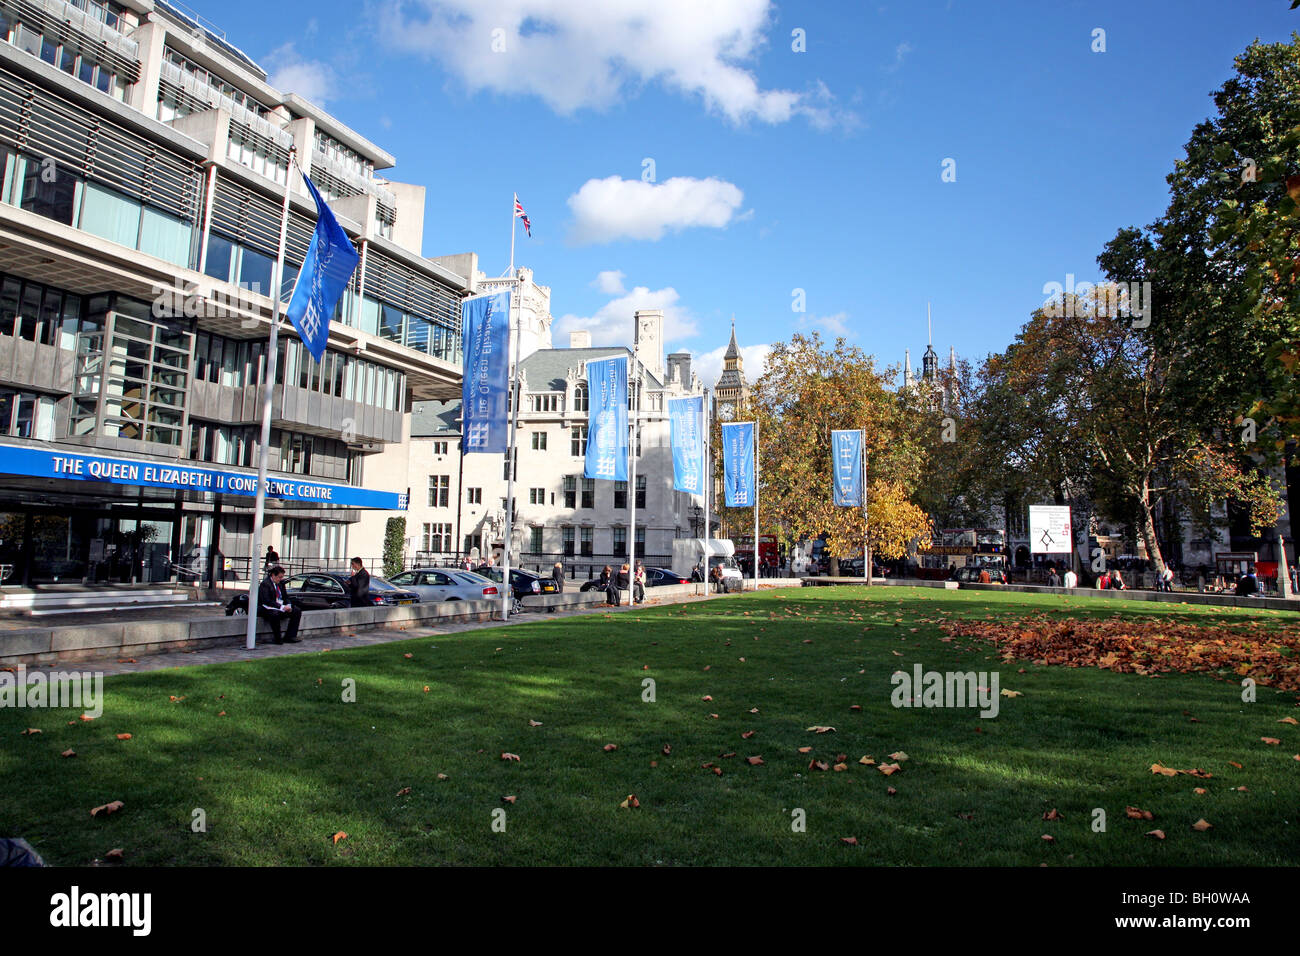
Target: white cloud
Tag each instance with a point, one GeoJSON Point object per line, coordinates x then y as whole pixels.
{"type": "Point", "coordinates": [576, 54]}
{"type": "Point", "coordinates": [900, 53]}
{"type": "Point", "coordinates": [290, 73]}
{"type": "Point", "coordinates": [612, 323]}
{"type": "Point", "coordinates": [708, 365]}
{"type": "Point", "coordinates": [614, 208]}
{"type": "Point", "coordinates": [834, 324]}
{"type": "Point", "coordinates": [609, 282]}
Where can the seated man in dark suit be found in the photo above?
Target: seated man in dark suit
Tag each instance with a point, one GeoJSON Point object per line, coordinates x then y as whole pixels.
{"type": "Point", "coordinates": [273, 606]}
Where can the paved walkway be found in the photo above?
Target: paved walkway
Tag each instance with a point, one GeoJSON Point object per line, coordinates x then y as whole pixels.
{"type": "Point", "coordinates": [229, 653]}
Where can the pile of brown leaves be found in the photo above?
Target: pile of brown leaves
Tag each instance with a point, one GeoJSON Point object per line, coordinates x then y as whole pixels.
{"type": "Point", "coordinates": [1145, 646]}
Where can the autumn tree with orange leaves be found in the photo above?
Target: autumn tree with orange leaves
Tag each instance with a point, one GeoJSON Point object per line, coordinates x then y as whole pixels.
{"type": "Point", "coordinates": [807, 390]}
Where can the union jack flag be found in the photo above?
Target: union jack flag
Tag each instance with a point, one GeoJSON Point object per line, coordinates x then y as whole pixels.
{"type": "Point", "coordinates": [519, 211]}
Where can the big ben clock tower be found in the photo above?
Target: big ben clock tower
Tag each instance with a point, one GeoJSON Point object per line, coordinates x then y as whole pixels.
{"type": "Point", "coordinates": [731, 391]}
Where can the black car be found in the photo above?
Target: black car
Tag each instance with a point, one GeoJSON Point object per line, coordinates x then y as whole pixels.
{"type": "Point", "coordinates": [658, 577]}
{"type": "Point", "coordinates": [522, 583]}
{"type": "Point", "coordinates": [315, 590]}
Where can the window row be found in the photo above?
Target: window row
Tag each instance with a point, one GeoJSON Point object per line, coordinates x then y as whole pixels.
{"type": "Point", "coordinates": [224, 87]}
{"type": "Point", "coordinates": [43, 186]}
{"type": "Point", "coordinates": [68, 57]}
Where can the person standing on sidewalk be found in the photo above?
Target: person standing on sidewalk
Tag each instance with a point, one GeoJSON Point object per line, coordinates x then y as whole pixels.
{"type": "Point", "coordinates": [359, 585]}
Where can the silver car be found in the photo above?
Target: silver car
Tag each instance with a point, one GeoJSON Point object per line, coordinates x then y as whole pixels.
{"type": "Point", "coordinates": [446, 584]}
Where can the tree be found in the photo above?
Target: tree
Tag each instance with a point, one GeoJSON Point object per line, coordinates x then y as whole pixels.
{"type": "Point", "coordinates": [394, 546]}
{"type": "Point", "coordinates": [806, 391]}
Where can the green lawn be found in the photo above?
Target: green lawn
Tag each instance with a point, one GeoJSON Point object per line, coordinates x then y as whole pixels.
{"type": "Point", "coordinates": [290, 764]}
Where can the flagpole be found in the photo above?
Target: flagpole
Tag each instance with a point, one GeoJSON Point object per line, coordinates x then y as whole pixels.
{"type": "Point", "coordinates": [514, 214]}
{"type": "Point", "coordinates": [633, 368]}
{"type": "Point", "coordinates": [756, 468]}
{"type": "Point", "coordinates": [507, 592]}
{"type": "Point", "coordinates": [708, 482]}
{"type": "Point", "coordinates": [866, 562]}
{"type": "Point", "coordinates": [259, 507]}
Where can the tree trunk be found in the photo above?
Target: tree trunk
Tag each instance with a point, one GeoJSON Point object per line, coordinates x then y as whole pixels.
{"type": "Point", "coordinates": [1149, 530]}
{"type": "Point", "coordinates": [867, 560]}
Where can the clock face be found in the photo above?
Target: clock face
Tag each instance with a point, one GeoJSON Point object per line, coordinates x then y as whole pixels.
{"type": "Point", "coordinates": [726, 411]}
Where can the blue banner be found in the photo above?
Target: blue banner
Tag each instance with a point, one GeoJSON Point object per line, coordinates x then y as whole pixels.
{"type": "Point", "coordinates": [78, 466]}
{"type": "Point", "coordinates": [607, 419]}
{"type": "Point", "coordinates": [485, 389]}
{"type": "Point", "coordinates": [325, 273]}
{"type": "Point", "coordinates": [846, 468]}
{"type": "Point", "coordinates": [738, 464]}
{"type": "Point", "coordinates": [686, 419]}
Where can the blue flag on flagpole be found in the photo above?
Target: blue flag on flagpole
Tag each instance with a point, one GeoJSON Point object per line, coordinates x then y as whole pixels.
{"type": "Point", "coordinates": [846, 468]}
{"type": "Point", "coordinates": [685, 415]}
{"type": "Point", "coordinates": [607, 419]}
{"type": "Point", "coordinates": [329, 265]}
{"type": "Point", "coordinates": [485, 387]}
{"type": "Point", "coordinates": [738, 464]}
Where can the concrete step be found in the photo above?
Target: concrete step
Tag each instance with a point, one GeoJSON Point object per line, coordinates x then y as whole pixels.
{"type": "Point", "coordinates": [44, 612]}
{"type": "Point", "coordinates": [71, 599]}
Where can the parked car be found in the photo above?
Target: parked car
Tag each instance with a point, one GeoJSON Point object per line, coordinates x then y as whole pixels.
{"type": "Point", "coordinates": [446, 584]}
{"type": "Point", "coordinates": [658, 577]}
{"type": "Point", "coordinates": [316, 590]}
{"type": "Point", "coordinates": [971, 575]}
{"type": "Point", "coordinates": [524, 583]}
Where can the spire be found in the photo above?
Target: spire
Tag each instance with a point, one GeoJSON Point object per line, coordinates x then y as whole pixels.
{"type": "Point", "coordinates": [929, 329]}
{"type": "Point", "coordinates": [733, 350]}
{"type": "Point", "coordinates": [907, 368]}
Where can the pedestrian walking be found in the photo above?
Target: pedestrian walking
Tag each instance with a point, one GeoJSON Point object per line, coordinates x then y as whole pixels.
{"type": "Point", "coordinates": [557, 575]}
{"type": "Point", "coordinates": [359, 585]}
{"type": "Point", "coordinates": [273, 607]}
{"type": "Point", "coordinates": [272, 558]}
{"type": "Point", "coordinates": [1071, 579]}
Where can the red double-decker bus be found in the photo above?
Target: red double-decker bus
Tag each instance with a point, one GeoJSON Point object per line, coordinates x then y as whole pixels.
{"type": "Point", "coordinates": [768, 551]}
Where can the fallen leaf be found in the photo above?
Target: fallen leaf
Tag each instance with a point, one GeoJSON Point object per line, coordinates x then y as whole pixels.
{"type": "Point", "coordinates": [747, 734]}
{"type": "Point", "coordinates": [889, 769]}
{"type": "Point", "coordinates": [1200, 791]}
{"type": "Point", "coordinates": [534, 723]}
{"type": "Point", "coordinates": [866, 761]}
{"type": "Point", "coordinates": [805, 750]}
{"type": "Point", "coordinates": [1052, 814]}
{"type": "Point", "coordinates": [855, 706]}
{"type": "Point", "coordinates": [1164, 771]}
{"type": "Point", "coordinates": [1012, 693]}
{"type": "Point", "coordinates": [1289, 720]}
{"type": "Point", "coordinates": [822, 730]}
{"type": "Point", "coordinates": [754, 761]}
{"type": "Point", "coordinates": [608, 748]}
{"type": "Point", "coordinates": [173, 698]}
{"type": "Point", "coordinates": [509, 756]}
{"type": "Point", "coordinates": [668, 749]}
{"type": "Point", "coordinates": [408, 655]}
{"type": "Point", "coordinates": [706, 698]}
{"type": "Point", "coordinates": [1202, 825]}
{"type": "Point", "coordinates": [851, 841]}
{"type": "Point", "coordinates": [426, 688]}
{"type": "Point", "coordinates": [30, 732]}
{"type": "Point", "coordinates": [510, 799]}
{"type": "Point", "coordinates": [1158, 834]}
{"type": "Point", "coordinates": [404, 791]}
{"type": "Point", "coordinates": [1048, 838]}
{"type": "Point", "coordinates": [718, 771]}
{"type": "Point", "coordinates": [87, 718]}
{"type": "Point", "coordinates": [1235, 764]}
{"type": "Point", "coordinates": [108, 808]}
{"type": "Point", "coordinates": [898, 755]}
{"type": "Point", "coordinates": [1134, 813]}
{"type": "Point", "coordinates": [68, 753]}
{"type": "Point", "coordinates": [114, 855]}
{"type": "Point", "coordinates": [221, 713]}
{"type": "Point", "coordinates": [1271, 741]}
{"type": "Point", "coordinates": [753, 710]}
{"type": "Point", "coordinates": [340, 836]}
{"type": "Point", "coordinates": [819, 765]}
{"type": "Point", "coordinates": [123, 736]}
{"type": "Point", "coordinates": [840, 767]}
{"type": "Point", "coordinates": [442, 776]}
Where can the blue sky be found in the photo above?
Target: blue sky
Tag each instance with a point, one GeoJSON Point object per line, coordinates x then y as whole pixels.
{"type": "Point", "coordinates": [774, 170]}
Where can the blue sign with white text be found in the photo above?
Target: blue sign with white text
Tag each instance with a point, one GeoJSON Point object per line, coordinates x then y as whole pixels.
{"type": "Point", "coordinates": [485, 389]}
{"type": "Point", "coordinates": [325, 272]}
{"type": "Point", "coordinates": [846, 468]}
{"type": "Point", "coordinates": [607, 419]}
{"type": "Point", "coordinates": [76, 466]}
{"type": "Point", "coordinates": [738, 464]}
{"type": "Point", "coordinates": [686, 419]}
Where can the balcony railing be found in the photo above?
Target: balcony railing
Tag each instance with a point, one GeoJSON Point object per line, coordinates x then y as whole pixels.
{"type": "Point", "coordinates": [196, 88]}
{"type": "Point", "coordinates": [350, 177]}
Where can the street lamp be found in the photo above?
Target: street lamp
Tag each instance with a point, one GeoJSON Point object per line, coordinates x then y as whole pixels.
{"type": "Point", "coordinates": [697, 520]}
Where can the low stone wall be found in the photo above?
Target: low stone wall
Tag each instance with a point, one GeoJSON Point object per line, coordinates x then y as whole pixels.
{"type": "Point", "coordinates": [49, 645]}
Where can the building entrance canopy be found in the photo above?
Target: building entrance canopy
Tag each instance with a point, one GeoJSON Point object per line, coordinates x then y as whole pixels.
{"type": "Point", "coordinates": [63, 464]}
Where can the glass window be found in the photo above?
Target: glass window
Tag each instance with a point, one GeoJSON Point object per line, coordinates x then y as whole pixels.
{"type": "Point", "coordinates": [220, 252]}
{"type": "Point", "coordinates": [370, 315]}
{"type": "Point", "coordinates": [50, 190]}
{"type": "Point", "coordinates": [87, 71]}
{"type": "Point", "coordinates": [67, 61]}
{"type": "Point", "coordinates": [586, 542]}
{"type": "Point", "coordinates": [165, 236]}
{"type": "Point", "coordinates": [28, 40]}
{"type": "Point", "coordinates": [255, 271]}
{"type": "Point", "coordinates": [580, 397]}
{"type": "Point", "coordinates": [110, 215]}
{"type": "Point", "coordinates": [570, 491]}
{"type": "Point", "coordinates": [566, 534]}
{"type": "Point", "coordinates": [588, 492]}
{"type": "Point", "coordinates": [49, 51]}
{"type": "Point", "coordinates": [391, 322]}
